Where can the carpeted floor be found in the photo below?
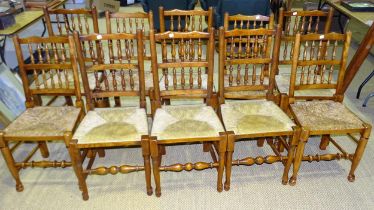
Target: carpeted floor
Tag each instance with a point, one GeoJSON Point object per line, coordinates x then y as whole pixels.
{"type": "Point", "coordinates": [320, 185]}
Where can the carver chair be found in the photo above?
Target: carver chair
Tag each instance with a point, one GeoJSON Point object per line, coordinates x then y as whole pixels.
{"type": "Point", "coordinates": [119, 75]}
{"type": "Point", "coordinates": [185, 124]}
{"type": "Point", "coordinates": [42, 124]}
{"type": "Point", "coordinates": [255, 116]}
{"type": "Point", "coordinates": [119, 22]}
{"type": "Point", "coordinates": [326, 116]}
{"type": "Point", "coordinates": [185, 20]}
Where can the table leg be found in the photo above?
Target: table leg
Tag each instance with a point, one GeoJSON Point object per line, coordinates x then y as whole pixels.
{"type": "Point", "coordinates": [364, 83]}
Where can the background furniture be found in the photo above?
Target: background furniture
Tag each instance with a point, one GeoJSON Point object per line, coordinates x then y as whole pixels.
{"type": "Point", "coordinates": [243, 7]}
{"type": "Point", "coordinates": [153, 5]}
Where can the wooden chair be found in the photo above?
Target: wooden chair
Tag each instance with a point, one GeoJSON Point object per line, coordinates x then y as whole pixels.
{"type": "Point", "coordinates": [69, 20]}
{"type": "Point", "coordinates": [246, 71]}
{"type": "Point", "coordinates": [116, 75]}
{"type": "Point", "coordinates": [128, 23]}
{"type": "Point", "coordinates": [41, 124]}
{"type": "Point", "coordinates": [326, 116]}
{"type": "Point", "coordinates": [304, 22]}
{"type": "Point", "coordinates": [185, 20]}
{"type": "Point", "coordinates": [180, 124]}
{"type": "Point", "coordinates": [247, 22]}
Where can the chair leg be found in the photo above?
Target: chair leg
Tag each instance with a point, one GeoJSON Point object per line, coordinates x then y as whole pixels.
{"type": "Point", "coordinates": [221, 160]}
{"type": "Point", "coordinates": [43, 149]}
{"type": "Point", "coordinates": [147, 164]}
{"type": "Point", "coordinates": [7, 154]}
{"type": "Point", "coordinates": [325, 140]}
{"type": "Point", "coordinates": [260, 142]}
{"type": "Point", "coordinates": [69, 101]}
{"type": "Point", "coordinates": [359, 152]}
{"type": "Point", "coordinates": [304, 136]}
{"type": "Point", "coordinates": [291, 153]}
{"type": "Point", "coordinates": [101, 152]}
{"type": "Point", "coordinates": [230, 151]}
{"type": "Point", "coordinates": [155, 165]}
{"type": "Point", "coordinates": [77, 164]}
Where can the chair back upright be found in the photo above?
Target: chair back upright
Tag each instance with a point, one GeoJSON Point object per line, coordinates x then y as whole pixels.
{"type": "Point", "coordinates": [314, 69]}
{"type": "Point", "coordinates": [248, 22]}
{"type": "Point", "coordinates": [68, 20]}
{"type": "Point", "coordinates": [185, 20]}
{"type": "Point", "coordinates": [119, 22]}
{"type": "Point", "coordinates": [303, 22]}
{"type": "Point", "coordinates": [183, 64]}
{"type": "Point", "coordinates": [112, 70]}
{"type": "Point", "coordinates": [246, 65]}
{"type": "Point", "coordinates": [52, 69]}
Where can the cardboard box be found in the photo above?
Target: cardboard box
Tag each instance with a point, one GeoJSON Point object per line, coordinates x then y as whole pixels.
{"type": "Point", "coordinates": [104, 5]}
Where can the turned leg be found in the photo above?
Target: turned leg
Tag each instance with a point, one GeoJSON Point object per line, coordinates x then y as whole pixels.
{"type": "Point", "coordinates": [147, 164]}
{"type": "Point", "coordinates": [155, 165]}
{"type": "Point", "coordinates": [359, 152]}
{"type": "Point", "coordinates": [260, 142]}
{"type": "Point", "coordinates": [221, 160]}
{"type": "Point", "coordinates": [230, 151]}
{"type": "Point", "coordinates": [77, 164]}
{"type": "Point", "coordinates": [69, 101]}
{"type": "Point", "coordinates": [101, 152]}
{"type": "Point", "coordinates": [299, 155]}
{"type": "Point", "coordinates": [291, 153]}
{"type": "Point", "coordinates": [43, 149]}
{"type": "Point", "coordinates": [325, 140]}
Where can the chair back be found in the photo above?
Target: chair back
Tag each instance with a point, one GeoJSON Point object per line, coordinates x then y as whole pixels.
{"type": "Point", "coordinates": [183, 64]}
{"type": "Point", "coordinates": [246, 65]}
{"type": "Point", "coordinates": [303, 22]}
{"type": "Point", "coordinates": [52, 69]}
{"type": "Point", "coordinates": [120, 22]}
{"type": "Point", "coordinates": [185, 20]}
{"type": "Point", "coordinates": [111, 70]}
{"type": "Point", "coordinates": [247, 22]}
{"type": "Point", "coordinates": [313, 69]}
{"type": "Point", "coordinates": [69, 20]}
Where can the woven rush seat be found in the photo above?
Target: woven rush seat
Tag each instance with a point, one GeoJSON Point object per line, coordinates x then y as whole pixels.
{"type": "Point", "coordinates": [325, 115]}
{"type": "Point", "coordinates": [186, 121]}
{"type": "Point", "coordinates": [112, 125]}
{"type": "Point", "coordinates": [254, 117]}
{"type": "Point", "coordinates": [44, 121]}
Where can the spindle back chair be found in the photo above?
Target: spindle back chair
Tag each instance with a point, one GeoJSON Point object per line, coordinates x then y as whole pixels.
{"type": "Point", "coordinates": [42, 124]}
{"type": "Point", "coordinates": [248, 21]}
{"type": "Point", "coordinates": [326, 116]}
{"type": "Point", "coordinates": [181, 65]}
{"type": "Point", "coordinates": [249, 73]}
{"type": "Point", "coordinates": [185, 20]}
{"type": "Point", "coordinates": [304, 22]}
{"type": "Point", "coordinates": [118, 75]}
{"type": "Point", "coordinates": [68, 20]}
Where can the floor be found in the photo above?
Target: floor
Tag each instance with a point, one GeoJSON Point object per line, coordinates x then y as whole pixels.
{"type": "Point", "coordinates": [320, 185]}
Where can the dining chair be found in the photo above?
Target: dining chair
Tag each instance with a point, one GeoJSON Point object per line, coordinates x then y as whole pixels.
{"type": "Point", "coordinates": [253, 115]}
{"type": "Point", "coordinates": [239, 21]}
{"type": "Point", "coordinates": [326, 116]}
{"type": "Point", "coordinates": [303, 22]}
{"type": "Point", "coordinates": [120, 22]}
{"type": "Point", "coordinates": [181, 68]}
{"type": "Point", "coordinates": [69, 20]}
{"type": "Point", "coordinates": [119, 74]}
{"type": "Point", "coordinates": [42, 124]}
{"type": "Point", "coordinates": [185, 20]}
